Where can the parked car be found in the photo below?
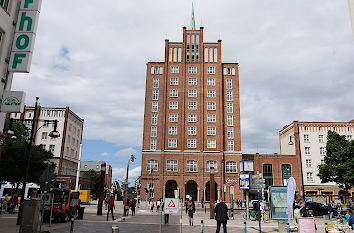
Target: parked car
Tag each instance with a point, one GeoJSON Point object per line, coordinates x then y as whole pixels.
{"type": "Point", "coordinates": [318, 209]}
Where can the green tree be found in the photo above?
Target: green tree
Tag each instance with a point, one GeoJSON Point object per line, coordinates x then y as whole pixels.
{"type": "Point", "coordinates": [13, 159]}
{"type": "Point", "coordinates": [339, 161]}
{"type": "Point", "coordinates": [95, 181]}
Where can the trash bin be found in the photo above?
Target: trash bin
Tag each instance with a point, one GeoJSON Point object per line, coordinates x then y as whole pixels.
{"type": "Point", "coordinates": [80, 214]}
{"type": "Point", "coordinates": [115, 229]}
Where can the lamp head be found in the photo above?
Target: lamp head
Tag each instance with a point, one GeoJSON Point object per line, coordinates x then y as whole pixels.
{"type": "Point", "coordinates": [290, 141]}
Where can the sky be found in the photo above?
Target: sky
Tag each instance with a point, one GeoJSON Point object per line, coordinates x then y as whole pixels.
{"type": "Point", "coordinates": [296, 63]}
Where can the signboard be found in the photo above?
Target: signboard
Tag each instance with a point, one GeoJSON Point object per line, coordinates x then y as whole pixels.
{"type": "Point", "coordinates": [244, 181]}
{"type": "Point", "coordinates": [25, 34]}
{"type": "Point", "coordinates": [246, 166]}
{"type": "Point", "coordinates": [306, 225]}
{"type": "Point", "coordinates": [290, 196]}
{"type": "Point", "coordinates": [231, 181]}
{"type": "Point", "coordinates": [257, 181]}
{"type": "Point", "coordinates": [279, 206]}
{"type": "Point", "coordinates": [171, 205]}
{"type": "Point", "coordinates": [13, 101]}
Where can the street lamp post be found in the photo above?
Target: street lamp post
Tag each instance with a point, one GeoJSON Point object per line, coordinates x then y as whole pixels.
{"type": "Point", "coordinates": [212, 193]}
{"type": "Point", "coordinates": [132, 158]}
{"type": "Point", "coordinates": [53, 134]}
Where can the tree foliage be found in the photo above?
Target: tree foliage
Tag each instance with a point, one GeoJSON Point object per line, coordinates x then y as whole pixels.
{"type": "Point", "coordinates": [339, 161]}
{"type": "Point", "coordinates": [13, 158]}
{"type": "Point", "coordinates": [95, 181]}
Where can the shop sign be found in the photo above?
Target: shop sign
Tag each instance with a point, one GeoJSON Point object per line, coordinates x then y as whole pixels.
{"type": "Point", "coordinates": [25, 33]}
{"type": "Point", "coordinates": [13, 101]}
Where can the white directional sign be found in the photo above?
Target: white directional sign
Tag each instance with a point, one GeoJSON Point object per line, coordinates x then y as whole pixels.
{"type": "Point", "coordinates": [171, 205]}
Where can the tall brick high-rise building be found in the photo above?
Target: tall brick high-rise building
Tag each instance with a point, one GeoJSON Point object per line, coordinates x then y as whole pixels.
{"type": "Point", "coordinates": [191, 121]}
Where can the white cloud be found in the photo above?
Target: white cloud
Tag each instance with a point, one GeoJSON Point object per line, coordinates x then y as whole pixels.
{"type": "Point", "coordinates": [105, 154]}
{"type": "Point", "coordinates": [126, 152]}
{"type": "Point", "coordinates": [120, 173]}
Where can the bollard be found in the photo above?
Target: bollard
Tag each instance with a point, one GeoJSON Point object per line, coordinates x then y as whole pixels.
{"type": "Point", "coordinates": [288, 227]}
{"type": "Point", "coordinates": [115, 229]}
{"type": "Point", "coordinates": [326, 228]}
{"type": "Point", "coordinates": [244, 227]}
{"type": "Point", "coordinates": [201, 226]}
{"type": "Point", "coordinates": [72, 225]}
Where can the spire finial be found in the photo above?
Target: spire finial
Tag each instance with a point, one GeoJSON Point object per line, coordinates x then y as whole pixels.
{"type": "Point", "coordinates": [192, 19]}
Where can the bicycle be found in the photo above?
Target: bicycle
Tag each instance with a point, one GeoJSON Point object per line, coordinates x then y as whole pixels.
{"type": "Point", "coordinates": [253, 215]}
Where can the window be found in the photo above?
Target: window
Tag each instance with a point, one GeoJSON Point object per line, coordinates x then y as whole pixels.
{"type": "Point", "coordinates": [155, 94]}
{"type": "Point", "coordinates": [306, 138]}
{"type": "Point", "coordinates": [309, 176]}
{"type": "Point", "coordinates": [154, 119]}
{"type": "Point", "coordinates": [174, 69]}
{"type": "Point", "coordinates": [211, 105]}
{"type": "Point", "coordinates": [173, 105]}
{"type": "Point", "coordinates": [285, 173]}
{"type": "Point", "coordinates": [349, 137]}
{"type": "Point", "coordinates": [211, 70]}
{"type": "Point", "coordinates": [322, 161]}
{"type": "Point", "coordinates": [45, 136]}
{"type": "Point", "coordinates": [210, 164]}
{"type": "Point", "coordinates": [155, 107]}
{"type": "Point", "coordinates": [211, 117]}
{"type": "Point", "coordinates": [51, 148]}
{"type": "Point", "coordinates": [173, 117]}
{"type": "Point", "coordinates": [192, 130]}
{"type": "Point", "coordinates": [43, 146]}
{"type": "Point", "coordinates": [153, 131]}
{"type": "Point", "coordinates": [230, 146]}
{"type": "Point", "coordinates": [155, 83]}
{"type": "Point", "coordinates": [230, 133]}
{"type": "Point", "coordinates": [4, 4]}
{"type": "Point", "coordinates": [210, 81]}
{"type": "Point", "coordinates": [192, 81]}
{"type": "Point", "coordinates": [308, 163]}
{"type": "Point", "coordinates": [191, 166]}
{"type": "Point", "coordinates": [192, 70]}
{"type": "Point", "coordinates": [211, 94]}
{"type": "Point", "coordinates": [211, 130]}
{"type": "Point", "coordinates": [172, 130]}
{"type": "Point", "coordinates": [229, 108]}
{"type": "Point", "coordinates": [211, 143]}
{"type": "Point", "coordinates": [174, 81]}
{"type": "Point", "coordinates": [228, 95]}
{"type": "Point", "coordinates": [307, 150]}
{"type": "Point", "coordinates": [172, 143]}
{"type": "Point", "coordinates": [231, 167]}
{"type": "Point", "coordinates": [192, 143]}
{"type": "Point", "coordinates": [158, 70]}
{"type": "Point", "coordinates": [192, 93]}
{"type": "Point", "coordinates": [230, 120]}
{"type": "Point", "coordinates": [46, 122]}
{"type": "Point", "coordinates": [192, 117]}
{"type": "Point", "coordinates": [152, 165]}
{"type": "Point", "coordinates": [320, 138]}
{"type": "Point", "coordinates": [268, 174]}
{"type": "Point", "coordinates": [322, 150]}
{"type": "Point", "coordinates": [192, 105]}
{"type": "Point", "coordinates": [153, 144]}
{"type": "Point", "coordinates": [172, 166]}
{"type": "Point", "coordinates": [228, 83]}
{"type": "Point", "coordinates": [173, 93]}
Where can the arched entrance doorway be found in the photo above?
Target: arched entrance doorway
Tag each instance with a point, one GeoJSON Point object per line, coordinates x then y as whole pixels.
{"type": "Point", "coordinates": [192, 189]}
{"type": "Point", "coordinates": [207, 191]}
{"type": "Point", "coordinates": [171, 186]}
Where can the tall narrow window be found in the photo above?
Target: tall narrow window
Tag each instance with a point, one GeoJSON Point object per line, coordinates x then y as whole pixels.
{"type": "Point", "coordinates": [154, 107]}
{"type": "Point", "coordinates": [285, 173]}
{"type": "Point", "coordinates": [228, 83]}
{"type": "Point", "coordinates": [153, 144]}
{"type": "Point", "coordinates": [153, 131]}
{"type": "Point", "coordinates": [228, 95]}
{"type": "Point", "coordinates": [155, 94]}
{"type": "Point", "coordinates": [268, 174]}
{"type": "Point", "coordinates": [230, 120]}
{"type": "Point", "coordinates": [230, 146]}
{"type": "Point", "coordinates": [230, 133]}
{"type": "Point", "coordinates": [155, 83]}
{"type": "Point", "coordinates": [154, 119]}
{"type": "Point", "coordinates": [229, 108]}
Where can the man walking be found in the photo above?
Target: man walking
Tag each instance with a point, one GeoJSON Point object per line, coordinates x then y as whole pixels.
{"type": "Point", "coordinates": [191, 210]}
{"type": "Point", "coordinates": [111, 207]}
{"type": "Point", "coordinates": [132, 206]}
{"type": "Point", "coordinates": [330, 210]}
{"type": "Point", "coordinates": [221, 216]}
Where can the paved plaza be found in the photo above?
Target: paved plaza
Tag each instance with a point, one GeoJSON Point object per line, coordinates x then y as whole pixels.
{"type": "Point", "coordinates": [147, 222]}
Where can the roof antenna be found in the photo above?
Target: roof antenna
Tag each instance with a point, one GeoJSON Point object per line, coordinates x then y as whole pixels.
{"type": "Point", "coordinates": [192, 19]}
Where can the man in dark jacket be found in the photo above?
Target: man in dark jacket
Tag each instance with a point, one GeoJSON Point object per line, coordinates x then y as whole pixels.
{"type": "Point", "coordinates": [111, 207]}
{"type": "Point", "coordinates": [221, 216]}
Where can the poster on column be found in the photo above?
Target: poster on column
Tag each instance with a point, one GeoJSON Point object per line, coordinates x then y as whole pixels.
{"type": "Point", "coordinates": [171, 205]}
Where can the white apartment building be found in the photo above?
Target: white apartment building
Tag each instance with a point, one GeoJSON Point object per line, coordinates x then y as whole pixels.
{"type": "Point", "coordinates": [311, 138]}
{"type": "Point", "coordinates": [8, 15]}
{"type": "Point", "coordinates": [66, 147]}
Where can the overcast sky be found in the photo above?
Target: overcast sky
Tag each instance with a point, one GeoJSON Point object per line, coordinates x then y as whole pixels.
{"type": "Point", "coordinates": [296, 63]}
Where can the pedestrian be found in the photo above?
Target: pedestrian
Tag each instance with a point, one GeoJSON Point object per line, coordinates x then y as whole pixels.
{"type": "Point", "coordinates": [351, 220]}
{"type": "Point", "coordinates": [132, 206]}
{"type": "Point", "coordinates": [262, 210]}
{"type": "Point", "coordinates": [152, 206]}
{"type": "Point", "coordinates": [191, 210]}
{"type": "Point", "coordinates": [111, 207]}
{"type": "Point", "coordinates": [330, 210]}
{"type": "Point", "coordinates": [221, 216]}
{"type": "Point", "coordinates": [202, 202]}
{"type": "Point", "coordinates": [126, 207]}
{"type": "Point", "coordinates": [105, 203]}
{"type": "Point", "coordinates": [158, 203]}
{"type": "Point", "coordinates": [166, 216]}
{"type": "Point", "coordinates": [5, 202]}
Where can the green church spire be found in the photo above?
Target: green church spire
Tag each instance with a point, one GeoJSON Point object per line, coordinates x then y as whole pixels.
{"type": "Point", "coordinates": [192, 19]}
